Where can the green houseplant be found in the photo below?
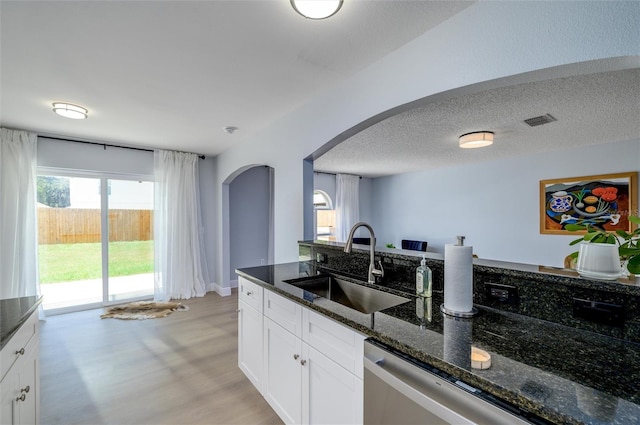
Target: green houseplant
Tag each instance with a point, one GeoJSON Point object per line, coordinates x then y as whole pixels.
{"type": "Point", "coordinates": [628, 243]}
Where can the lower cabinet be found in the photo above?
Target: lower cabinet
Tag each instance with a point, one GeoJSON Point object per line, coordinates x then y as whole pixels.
{"type": "Point", "coordinates": [19, 387]}
{"type": "Point", "coordinates": [331, 394]}
{"type": "Point", "coordinates": [283, 367]}
{"type": "Point", "coordinates": [302, 384]}
{"type": "Point", "coordinates": [250, 358]}
{"type": "Point", "coordinates": [311, 370]}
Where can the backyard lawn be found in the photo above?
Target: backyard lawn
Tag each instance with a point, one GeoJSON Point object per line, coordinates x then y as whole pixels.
{"type": "Point", "coordinates": [79, 261]}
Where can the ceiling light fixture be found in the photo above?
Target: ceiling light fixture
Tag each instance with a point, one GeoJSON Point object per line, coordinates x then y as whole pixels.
{"type": "Point", "coordinates": [230, 129]}
{"type": "Point", "coordinates": [478, 139]}
{"type": "Point", "coordinates": [316, 9]}
{"type": "Point", "coordinates": [68, 110]}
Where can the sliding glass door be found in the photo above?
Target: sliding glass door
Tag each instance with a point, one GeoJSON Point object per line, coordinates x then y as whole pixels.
{"type": "Point", "coordinates": [130, 249]}
{"type": "Point", "coordinates": [69, 241]}
{"type": "Point", "coordinates": [95, 239]}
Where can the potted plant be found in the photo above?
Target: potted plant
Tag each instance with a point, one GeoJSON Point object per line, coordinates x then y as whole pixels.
{"type": "Point", "coordinates": [628, 243]}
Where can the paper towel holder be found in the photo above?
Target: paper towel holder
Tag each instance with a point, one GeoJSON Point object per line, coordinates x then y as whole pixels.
{"type": "Point", "coordinates": [464, 314]}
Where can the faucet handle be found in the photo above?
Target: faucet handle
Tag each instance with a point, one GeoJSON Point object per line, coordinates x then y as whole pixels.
{"type": "Point", "coordinates": [379, 272]}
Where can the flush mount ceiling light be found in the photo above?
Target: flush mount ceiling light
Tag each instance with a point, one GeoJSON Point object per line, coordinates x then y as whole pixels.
{"type": "Point", "coordinates": [478, 139]}
{"type": "Point", "coordinates": [230, 129]}
{"type": "Point", "coordinates": [68, 110]}
{"type": "Point", "coordinates": [316, 9]}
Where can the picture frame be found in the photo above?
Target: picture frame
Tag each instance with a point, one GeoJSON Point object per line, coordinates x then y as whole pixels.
{"type": "Point", "coordinates": [603, 201]}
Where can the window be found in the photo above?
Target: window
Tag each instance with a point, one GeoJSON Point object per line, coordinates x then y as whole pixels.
{"type": "Point", "coordinates": [325, 216]}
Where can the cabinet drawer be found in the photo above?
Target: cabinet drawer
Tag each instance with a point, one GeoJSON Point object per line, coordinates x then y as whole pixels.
{"type": "Point", "coordinates": [11, 351]}
{"type": "Point", "coordinates": [250, 293]}
{"type": "Point", "coordinates": [336, 341]}
{"type": "Point", "coordinates": [284, 312]}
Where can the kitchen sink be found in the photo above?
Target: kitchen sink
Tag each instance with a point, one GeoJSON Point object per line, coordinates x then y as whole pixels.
{"type": "Point", "coordinates": [358, 297]}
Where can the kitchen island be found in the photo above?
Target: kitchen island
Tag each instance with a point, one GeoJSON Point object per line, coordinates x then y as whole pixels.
{"type": "Point", "coordinates": [558, 373]}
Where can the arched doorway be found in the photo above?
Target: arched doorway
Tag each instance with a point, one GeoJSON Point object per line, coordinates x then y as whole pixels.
{"type": "Point", "coordinates": [247, 214]}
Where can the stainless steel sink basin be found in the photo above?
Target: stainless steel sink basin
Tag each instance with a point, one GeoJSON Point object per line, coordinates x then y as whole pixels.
{"type": "Point", "coordinates": [358, 297]}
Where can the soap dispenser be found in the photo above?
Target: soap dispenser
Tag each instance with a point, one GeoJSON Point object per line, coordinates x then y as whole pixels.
{"type": "Point", "coordinates": [423, 279]}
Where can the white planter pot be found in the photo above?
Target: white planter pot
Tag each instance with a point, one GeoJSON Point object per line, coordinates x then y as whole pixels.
{"type": "Point", "coordinates": [599, 261]}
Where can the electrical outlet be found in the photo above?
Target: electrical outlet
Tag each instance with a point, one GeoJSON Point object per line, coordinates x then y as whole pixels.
{"type": "Point", "coordinates": [503, 294]}
{"type": "Point", "coordinates": [262, 262]}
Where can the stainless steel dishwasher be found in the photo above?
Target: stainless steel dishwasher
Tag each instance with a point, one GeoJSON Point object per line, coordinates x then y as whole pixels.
{"type": "Point", "coordinates": [399, 389]}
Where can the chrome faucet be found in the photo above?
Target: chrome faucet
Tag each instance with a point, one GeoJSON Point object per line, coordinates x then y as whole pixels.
{"type": "Point", "coordinates": [373, 272]}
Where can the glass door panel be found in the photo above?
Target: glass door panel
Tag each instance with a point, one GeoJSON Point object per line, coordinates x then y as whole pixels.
{"type": "Point", "coordinates": [130, 255]}
{"type": "Point", "coordinates": [69, 241]}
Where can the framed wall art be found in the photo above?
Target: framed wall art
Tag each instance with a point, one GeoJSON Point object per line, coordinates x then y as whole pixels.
{"type": "Point", "coordinates": [603, 201]}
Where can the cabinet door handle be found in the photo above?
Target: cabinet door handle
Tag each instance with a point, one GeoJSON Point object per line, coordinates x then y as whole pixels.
{"type": "Point", "coordinates": [20, 352]}
{"type": "Point", "coordinates": [249, 293]}
{"type": "Point", "coordinates": [303, 362]}
{"type": "Point", "coordinates": [21, 398]}
{"type": "Point", "coordinates": [26, 389]}
{"type": "Point", "coordinates": [296, 356]}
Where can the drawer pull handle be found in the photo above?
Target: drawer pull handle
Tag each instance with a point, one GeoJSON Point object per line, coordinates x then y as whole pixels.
{"type": "Point", "coordinates": [303, 362]}
{"type": "Point", "coordinates": [21, 398]}
{"type": "Point", "coordinates": [26, 389]}
{"type": "Point", "coordinates": [20, 352]}
{"type": "Point", "coordinates": [296, 356]}
{"type": "Point", "coordinates": [249, 293]}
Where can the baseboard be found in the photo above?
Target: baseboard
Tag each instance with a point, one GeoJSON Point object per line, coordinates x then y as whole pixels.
{"type": "Point", "coordinates": [224, 291]}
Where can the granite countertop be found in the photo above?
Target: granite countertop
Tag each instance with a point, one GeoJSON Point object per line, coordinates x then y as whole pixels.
{"type": "Point", "coordinates": [562, 374]}
{"type": "Point", "coordinates": [13, 313]}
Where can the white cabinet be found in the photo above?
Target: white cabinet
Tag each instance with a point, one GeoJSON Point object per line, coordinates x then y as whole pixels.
{"type": "Point", "coordinates": [302, 382]}
{"type": "Point", "coordinates": [332, 394]}
{"type": "Point", "coordinates": [283, 372]}
{"type": "Point", "coordinates": [19, 387]}
{"type": "Point", "coordinates": [250, 332]}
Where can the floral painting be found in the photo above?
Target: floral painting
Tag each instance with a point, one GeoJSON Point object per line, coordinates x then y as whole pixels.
{"type": "Point", "coordinates": [603, 201]}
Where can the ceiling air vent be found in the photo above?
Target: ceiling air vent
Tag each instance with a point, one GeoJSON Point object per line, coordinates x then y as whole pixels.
{"type": "Point", "coordinates": [542, 119]}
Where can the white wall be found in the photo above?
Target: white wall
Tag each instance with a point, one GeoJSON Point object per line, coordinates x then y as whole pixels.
{"type": "Point", "coordinates": [521, 37]}
{"type": "Point", "coordinates": [494, 204]}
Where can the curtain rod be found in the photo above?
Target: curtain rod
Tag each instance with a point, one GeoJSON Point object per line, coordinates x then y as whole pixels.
{"type": "Point", "coordinates": [104, 145]}
{"type": "Point", "coordinates": [333, 174]}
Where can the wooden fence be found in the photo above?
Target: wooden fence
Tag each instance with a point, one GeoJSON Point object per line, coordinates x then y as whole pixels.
{"type": "Point", "coordinates": [75, 225]}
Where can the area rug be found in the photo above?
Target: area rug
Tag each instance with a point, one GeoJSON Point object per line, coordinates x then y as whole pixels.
{"type": "Point", "coordinates": [141, 310]}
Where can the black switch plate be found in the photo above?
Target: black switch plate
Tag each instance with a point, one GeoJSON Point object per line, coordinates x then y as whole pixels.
{"type": "Point", "coordinates": [503, 294]}
{"type": "Point", "coordinates": [599, 312]}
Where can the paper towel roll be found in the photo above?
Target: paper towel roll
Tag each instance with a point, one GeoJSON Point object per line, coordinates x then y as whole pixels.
{"type": "Point", "coordinates": [458, 278]}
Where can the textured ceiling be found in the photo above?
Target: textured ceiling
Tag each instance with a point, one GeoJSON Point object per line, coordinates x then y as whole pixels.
{"type": "Point", "coordinates": [590, 109]}
{"type": "Point", "coordinates": [172, 74]}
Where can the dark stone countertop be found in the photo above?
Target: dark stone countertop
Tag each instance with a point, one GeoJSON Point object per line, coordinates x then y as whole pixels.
{"type": "Point", "coordinates": [13, 313]}
{"type": "Point", "coordinates": [562, 374]}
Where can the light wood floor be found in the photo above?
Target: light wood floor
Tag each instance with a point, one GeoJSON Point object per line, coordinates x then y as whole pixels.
{"type": "Point", "coordinates": [181, 369]}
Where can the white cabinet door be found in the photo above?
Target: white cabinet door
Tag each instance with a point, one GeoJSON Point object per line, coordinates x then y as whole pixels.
{"type": "Point", "coordinates": [331, 394]}
{"type": "Point", "coordinates": [8, 394]}
{"type": "Point", "coordinates": [19, 389]}
{"type": "Point", "coordinates": [27, 399]}
{"type": "Point", "coordinates": [250, 345]}
{"type": "Point", "coordinates": [282, 372]}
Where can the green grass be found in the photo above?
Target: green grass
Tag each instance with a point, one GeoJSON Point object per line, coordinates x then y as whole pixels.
{"type": "Point", "coordinates": [69, 262]}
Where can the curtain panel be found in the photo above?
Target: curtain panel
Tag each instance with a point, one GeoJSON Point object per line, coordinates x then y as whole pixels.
{"type": "Point", "coordinates": [347, 204]}
{"type": "Point", "coordinates": [18, 229]}
{"type": "Point", "coordinates": [180, 269]}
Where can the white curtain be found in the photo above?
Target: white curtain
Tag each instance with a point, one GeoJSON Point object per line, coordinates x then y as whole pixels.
{"type": "Point", "coordinates": [347, 204]}
{"type": "Point", "coordinates": [180, 269]}
{"type": "Point", "coordinates": [18, 230]}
